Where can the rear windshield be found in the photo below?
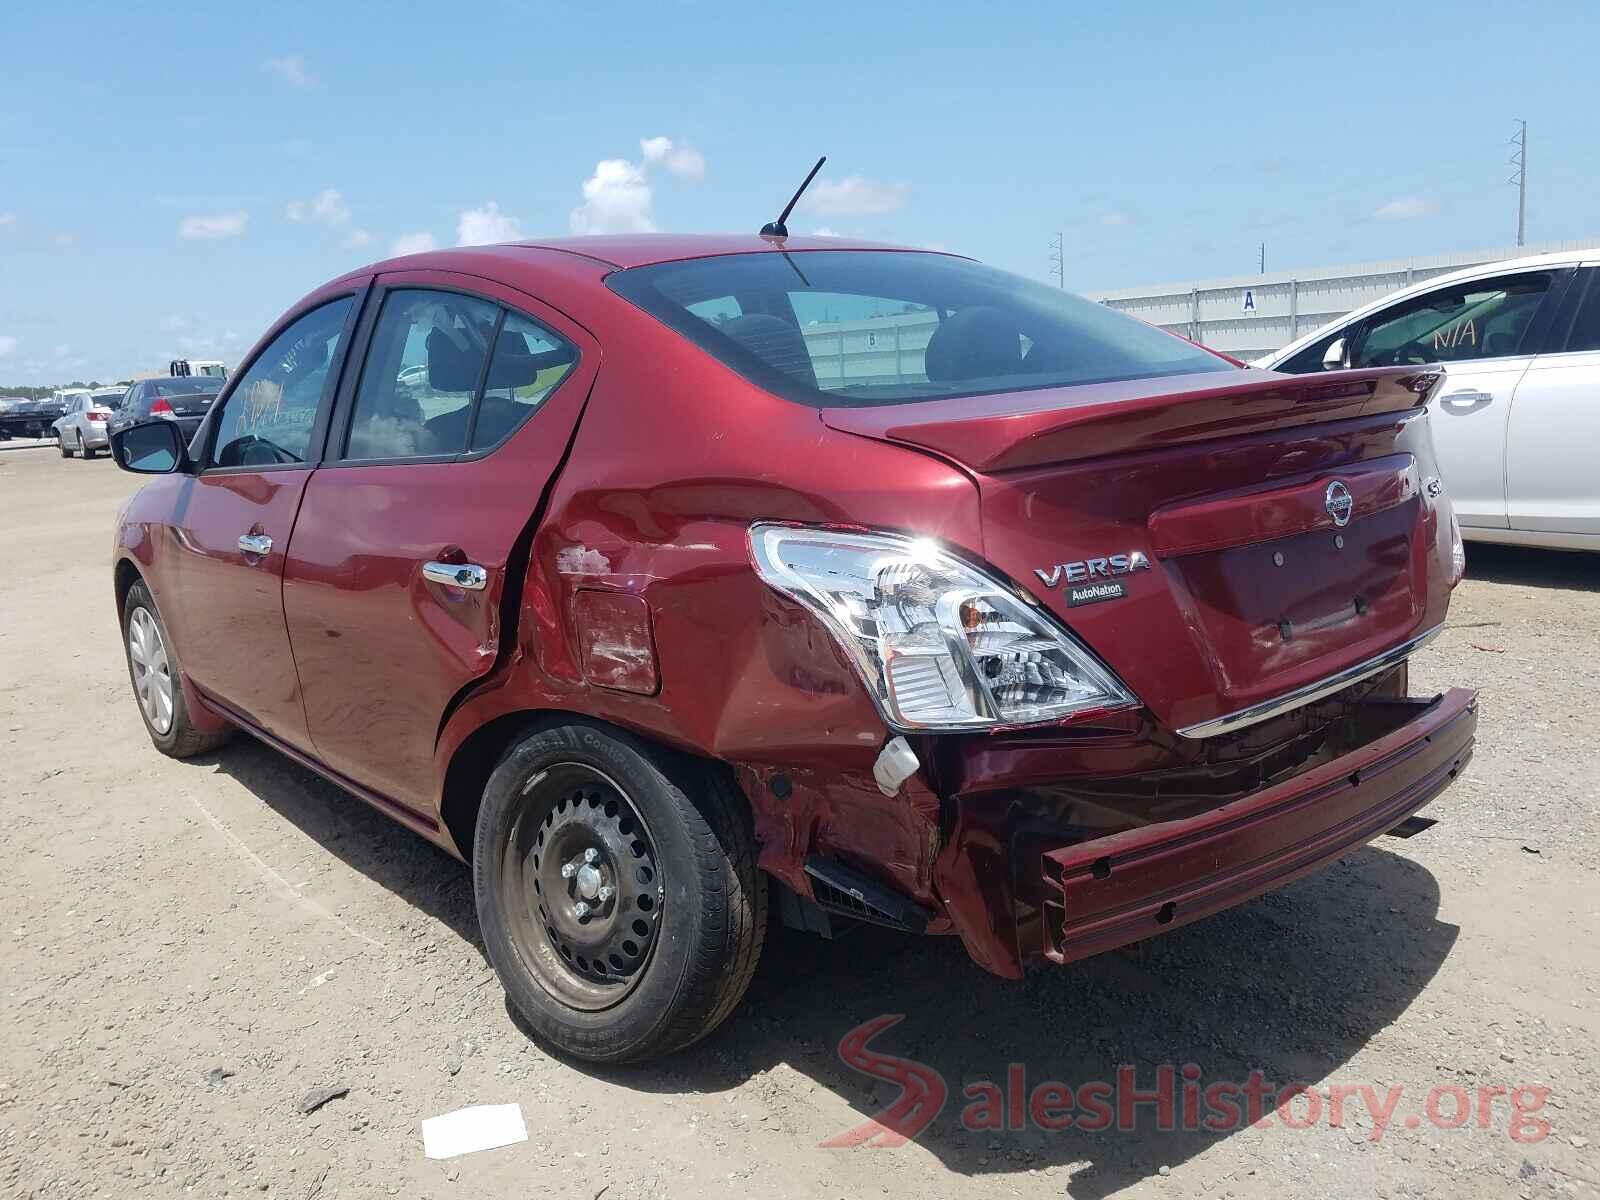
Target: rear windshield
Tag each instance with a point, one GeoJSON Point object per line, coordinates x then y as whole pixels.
{"type": "Point", "coordinates": [837, 328]}
{"type": "Point", "coordinates": [187, 387]}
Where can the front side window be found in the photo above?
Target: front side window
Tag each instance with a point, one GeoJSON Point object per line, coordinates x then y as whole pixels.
{"type": "Point", "coordinates": [422, 372]}
{"type": "Point", "coordinates": [270, 413]}
{"type": "Point", "coordinates": [860, 328]}
{"type": "Point", "coordinates": [1459, 322]}
{"type": "Point", "coordinates": [1311, 358]}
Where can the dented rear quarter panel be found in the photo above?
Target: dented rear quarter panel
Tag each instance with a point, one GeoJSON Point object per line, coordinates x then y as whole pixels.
{"type": "Point", "coordinates": [674, 458]}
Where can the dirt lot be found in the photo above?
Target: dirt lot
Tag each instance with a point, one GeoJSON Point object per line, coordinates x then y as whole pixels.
{"type": "Point", "coordinates": [188, 948]}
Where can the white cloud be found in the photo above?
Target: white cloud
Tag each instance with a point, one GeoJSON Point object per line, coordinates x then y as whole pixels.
{"type": "Point", "coordinates": [854, 196]}
{"type": "Point", "coordinates": [65, 239]}
{"type": "Point", "coordinates": [412, 243]}
{"type": "Point", "coordinates": [327, 207]}
{"type": "Point", "coordinates": [210, 228]}
{"type": "Point", "coordinates": [483, 226]}
{"type": "Point", "coordinates": [683, 161]}
{"type": "Point", "coordinates": [824, 231]}
{"type": "Point", "coordinates": [687, 163]}
{"type": "Point", "coordinates": [616, 199]}
{"type": "Point", "coordinates": [1406, 208]}
{"type": "Point", "coordinates": [7, 220]}
{"type": "Point", "coordinates": [356, 239]}
{"type": "Point", "coordinates": [7, 344]}
{"type": "Point", "coordinates": [291, 68]}
{"type": "Point", "coordinates": [173, 324]}
{"type": "Point", "coordinates": [1116, 219]}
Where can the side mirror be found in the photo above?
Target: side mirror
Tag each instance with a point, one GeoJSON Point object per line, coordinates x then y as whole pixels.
{"type": "Point", "coordinates": [1333, 356]}
{"type": "Point", "coordinates": [154, 448]}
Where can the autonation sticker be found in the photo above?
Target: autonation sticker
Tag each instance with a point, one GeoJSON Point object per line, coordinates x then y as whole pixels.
{"type": "Point", "coordinates": [1093, 593]}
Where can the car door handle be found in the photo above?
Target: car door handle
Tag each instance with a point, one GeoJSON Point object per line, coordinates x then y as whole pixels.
{"type": "Point", "coordinates": [1465, 399]}
{"type": "Point", "coordinates": [461, 575]}
{"type": "Point", "coordinates": [258, 544]}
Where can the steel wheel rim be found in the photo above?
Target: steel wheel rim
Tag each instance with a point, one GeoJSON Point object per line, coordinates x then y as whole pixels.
{"type": "Point", "coordinates": [591, 960]}
{"type": "Point", "coordinates": [152, 669]}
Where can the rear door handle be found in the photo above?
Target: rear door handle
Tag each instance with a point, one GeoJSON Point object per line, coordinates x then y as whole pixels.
{"type": "Point", "coordinates": [258, 544]}
{"type": "Point", "coordinates": [1466, 399]}
{"type": "Point", "coordinates": [460, 575]}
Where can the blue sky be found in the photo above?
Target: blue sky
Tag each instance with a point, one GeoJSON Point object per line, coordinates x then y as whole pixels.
{"type": "Point", "coordinates": [172, 177]}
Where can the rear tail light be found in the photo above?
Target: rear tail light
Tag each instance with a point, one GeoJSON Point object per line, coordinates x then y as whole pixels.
{"type": "Point", "coordinates": [98, 414]}
{"type": "Point", "coordinates": [161, 409]}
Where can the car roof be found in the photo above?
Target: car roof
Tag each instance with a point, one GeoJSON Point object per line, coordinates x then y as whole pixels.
{"type": "Point", "coordinates": [625, 250]}
{"type": "Point", "coordinates": [1506, 266]}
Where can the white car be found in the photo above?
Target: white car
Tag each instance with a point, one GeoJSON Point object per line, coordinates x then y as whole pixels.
{"type": "Point", "coordinates": [1517, 419]}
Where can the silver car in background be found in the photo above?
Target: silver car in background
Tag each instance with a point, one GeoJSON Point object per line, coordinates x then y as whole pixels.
{"type": "Point", "coordinates": [82, 430]}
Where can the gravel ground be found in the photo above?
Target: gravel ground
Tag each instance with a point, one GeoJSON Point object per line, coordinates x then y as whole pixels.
{"type": "Point", "coordinates": [187, 949]}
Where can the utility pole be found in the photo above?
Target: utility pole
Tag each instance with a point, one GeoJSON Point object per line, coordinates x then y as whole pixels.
{"type": "Point", "coordinates": [1520, 161]}
{"type": "Point", "coordinates": [1263, 258]}
{"type": "Point", "coordinates": [1058, 259]}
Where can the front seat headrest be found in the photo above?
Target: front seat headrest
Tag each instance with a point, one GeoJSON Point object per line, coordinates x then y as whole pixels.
{"type": "Point", "coordinates": [974, 343]}
{"type": "Point", "coordinates": [451, 368]}
{"type": "Point", "coordinates": [775, 342]}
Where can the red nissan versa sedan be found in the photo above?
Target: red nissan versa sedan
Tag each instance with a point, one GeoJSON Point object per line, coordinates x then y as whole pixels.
{"type": "Point", "coordinates": [663, 577]}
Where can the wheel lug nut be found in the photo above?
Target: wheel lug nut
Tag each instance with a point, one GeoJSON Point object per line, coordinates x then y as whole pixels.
{"type": "Point", "coordinates": [581, 908]}
{"type": "Point", "coordinates": [590, 854]}
{"type": "Point", "coordinates": [568, 870]}
{"type": "Point", "coordinates": [607, 891]}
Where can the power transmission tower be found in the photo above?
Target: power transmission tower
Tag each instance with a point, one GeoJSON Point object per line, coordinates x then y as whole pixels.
{"type": "Point", "coordinates": [1058, 259]}
{"type": "Point", "coordinates": [1520, 161]}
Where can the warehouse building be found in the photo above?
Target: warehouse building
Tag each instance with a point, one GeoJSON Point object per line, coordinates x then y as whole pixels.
{"type": "Point", "coordinates": [1251, 315]}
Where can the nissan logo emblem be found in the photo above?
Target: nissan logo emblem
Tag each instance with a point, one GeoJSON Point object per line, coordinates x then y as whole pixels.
{"type": "Point", "coordinates": [1339, 503]}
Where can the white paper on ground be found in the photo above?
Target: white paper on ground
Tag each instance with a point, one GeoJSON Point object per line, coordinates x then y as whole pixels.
{"type": "Point", "coordinates": [482, 1127]}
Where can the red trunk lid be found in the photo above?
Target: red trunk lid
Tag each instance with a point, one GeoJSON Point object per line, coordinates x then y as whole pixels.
{"type": "Point", "coordinates": [1219, 540]}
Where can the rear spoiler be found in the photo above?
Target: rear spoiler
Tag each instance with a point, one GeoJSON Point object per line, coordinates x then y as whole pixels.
{"type": "Point", "coordinates": [1016, 430]}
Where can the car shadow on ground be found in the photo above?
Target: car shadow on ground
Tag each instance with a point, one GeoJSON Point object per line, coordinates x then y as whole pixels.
{"type": "Point", "coordinates": [387, 853]}
{"type": "Point", "coordinates": [1292, 984]}
{"type": "Point", "coordinates": [1574, 570]}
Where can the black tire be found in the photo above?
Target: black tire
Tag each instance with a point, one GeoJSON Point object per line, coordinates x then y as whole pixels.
{"type": "Point", "coordinates": [180, 739]}
{"type": "Point", "coordinates": [699, 932]}
{"type": "Point", "coordinates": [84, 450]}
{"type": "Point", "coordinates": [65, 453]}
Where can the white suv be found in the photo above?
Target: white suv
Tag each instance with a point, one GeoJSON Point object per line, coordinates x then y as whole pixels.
{"type": "Point", "coordinates": [1517, 420]}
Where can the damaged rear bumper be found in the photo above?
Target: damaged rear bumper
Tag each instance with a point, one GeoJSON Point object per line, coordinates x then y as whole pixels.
{"type": "Point", "coordinates": [1114, 890]}
{"type": "Point", "coordinates": [1108, 887]}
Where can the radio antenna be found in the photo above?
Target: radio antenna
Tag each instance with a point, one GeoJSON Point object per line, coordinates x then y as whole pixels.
{"type": "Point", "coordinates": [778, 228]}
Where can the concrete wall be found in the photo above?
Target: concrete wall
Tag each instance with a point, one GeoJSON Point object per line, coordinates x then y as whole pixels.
{"type": "Point", "coordinates": [1287, 304]}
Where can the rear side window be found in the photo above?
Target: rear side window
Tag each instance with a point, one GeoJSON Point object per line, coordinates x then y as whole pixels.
{"type": "Point", "coordinates": [272, 409]}
{"type": "Point", "coordinates": [529, 361]}
{"type": "Point", "coordinates": [448, 374]}
{"type": "Point", "coordinates": [422, 371]}
{"type": "Point", "coordinates": [858, 328]}
{"type": "Point", "coordinates": [1585, 332]}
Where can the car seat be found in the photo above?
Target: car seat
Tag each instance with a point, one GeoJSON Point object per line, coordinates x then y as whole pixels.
{"type": "Point", "coordinates": [975, 343]}
{"type": "Point", "coordinates": [775, 342]}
